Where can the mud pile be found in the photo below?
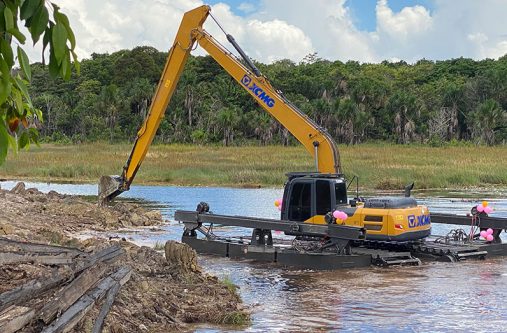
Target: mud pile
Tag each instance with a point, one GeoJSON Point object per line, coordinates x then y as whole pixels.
{"type": "Point", "coordinates": [25, 211]}
{"type": "Point", "coordinates": [164, 293]}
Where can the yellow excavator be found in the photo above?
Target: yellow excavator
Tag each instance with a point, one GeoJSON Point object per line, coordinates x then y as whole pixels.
{"type": "Point", "coordinates": [310, 197]}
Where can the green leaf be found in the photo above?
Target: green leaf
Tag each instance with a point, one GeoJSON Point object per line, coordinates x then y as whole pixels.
{"type": "Point", "coordinates": [66, 67]}
{"type": "Point", "coordinates": [13, 143]}
{"type": "Point", "coordinates": [24, 90]}
{"type": "Point", "coordinates": [12, 5]}
{"type": "Point", "coordinates": [28, 8]}
{"type": "Point", "coordinates": [56, 8]}
{"type": "Point", "coordinates": [46, 39]}
{"type": "Point", "coordinates": [38, 113]}
{"type": "Point", "coordinates": [2, 21]}
{"type": "Point", "coordinates": [4, 69]}
{"type": "Point", "coordinates": [9, 20]}
{"type": "Point", "coordinates": [77, 65]}
{"type": "Point", "coordinates": [59, 42]}
{"type": "Point", "coordinates": [39, 23]}
{"type": "Point", "coordinates": [54, 68]}
{"type": "Point", "coordinates": [34, 135]}
{"type": "Point", "coordinates": [19, 36]}
{"type": "Point", "coordinates": [5, 49]}
{"type": "Point", "coordinates": [24, 63]}
{"type": "Point", "coordinates": [62, 18]}
{"type": "Point", "coordinates": [5, 90]}
{"type": "Point", "coordinates": [5, 82]}
{"type": "Point", "coordinates": [24, 140]}
{"type": "Point", "coordinates": [4, 141]}
{"type": "Point", "coordinates": [18, 102]}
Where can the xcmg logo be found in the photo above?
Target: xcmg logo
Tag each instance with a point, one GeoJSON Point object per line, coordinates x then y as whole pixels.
{"type": "Point", "coordinates": [418, 221]}
{"type": "Point", "coordinates": [258, 91]}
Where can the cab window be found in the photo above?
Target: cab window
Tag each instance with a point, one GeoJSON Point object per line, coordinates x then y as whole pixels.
{"type": "Point", "coordinates": [300, 207]}
{"type": "Point", "coordinates": [323, 197]}
{"type": "Point", "coordinates": [340, 190]}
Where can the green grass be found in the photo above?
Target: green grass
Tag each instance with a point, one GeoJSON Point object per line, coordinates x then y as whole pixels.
{"type": "Point", "coordinates": [159, 246]}
{"type": "Point", "coordinates": [235, 318]}
{"type": "Point", "coordinates": [379, 166]}
{"type": "Point", "coordinates": [226, 280]}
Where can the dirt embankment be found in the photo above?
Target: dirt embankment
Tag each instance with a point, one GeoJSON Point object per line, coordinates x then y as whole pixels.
{"type": "Point", "coordinates": [164, 293]}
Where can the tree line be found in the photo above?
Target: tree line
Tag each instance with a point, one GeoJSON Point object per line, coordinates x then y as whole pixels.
{"type": "Point", "coordinates": [425, 102]}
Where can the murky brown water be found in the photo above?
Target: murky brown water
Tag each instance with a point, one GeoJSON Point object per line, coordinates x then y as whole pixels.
{"type": "Point", "coordinates": [467, 296]}
{"type": "Point", "coordinates": [435, 297]}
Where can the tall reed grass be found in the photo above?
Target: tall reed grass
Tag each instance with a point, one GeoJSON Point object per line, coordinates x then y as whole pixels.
{"type": "Point", "coordinates": [378, 166]}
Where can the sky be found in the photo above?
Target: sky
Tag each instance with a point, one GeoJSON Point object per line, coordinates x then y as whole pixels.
{"type": "Point", "coordinates": [359, 30]}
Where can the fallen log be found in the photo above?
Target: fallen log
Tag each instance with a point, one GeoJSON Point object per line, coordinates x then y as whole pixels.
{"type": "Point", "coordinates": [36, 287]}
{"type": "Point", "coordinates": [104, 255]}
{"type": "Point", "coordinates": [14, 318]}
{"type": "Point", "coordinates": [106, 307]}
{"type": "Point", "coordinates": [32, 289]}
{"type": "Point", "coordinates": [35, 247]}
{"type": "Point", "coordinates": [79, 309]}
{"type": "Point", "coordinates": [71, 293]}
{"type": "Point", "coordinates": [44, 258]}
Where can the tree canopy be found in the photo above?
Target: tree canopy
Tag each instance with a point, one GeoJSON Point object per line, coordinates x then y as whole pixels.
{"type": "Point", "coordinates": [42, 20]}
{"type": "Point", "coordinates": [426, 102]}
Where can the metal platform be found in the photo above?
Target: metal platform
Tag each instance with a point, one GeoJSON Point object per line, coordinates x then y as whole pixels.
{"type": "Point", "coordinates": [386, 258]}
{"type": "Point", "coordinates": [452, 252]}
{"type": "Point", "coordinates": [280, 255]}
{"type": "Point", "coordinates": [328, 247]}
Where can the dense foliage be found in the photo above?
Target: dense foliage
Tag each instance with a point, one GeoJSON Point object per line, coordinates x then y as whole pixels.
{"type": "Point", "coordinates": [428, 102]}
{"type": "Point", "coordinates": [43, 21]}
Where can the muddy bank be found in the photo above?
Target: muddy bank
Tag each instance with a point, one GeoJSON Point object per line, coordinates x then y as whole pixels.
{"type": "Point", "coordinates": [25, 211]}
{"type": "Point", "coordinates": [161, 295]}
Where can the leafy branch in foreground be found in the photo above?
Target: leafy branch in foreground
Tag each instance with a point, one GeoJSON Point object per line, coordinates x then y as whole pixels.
{"type": "Point", "coordinates": [18, 116]}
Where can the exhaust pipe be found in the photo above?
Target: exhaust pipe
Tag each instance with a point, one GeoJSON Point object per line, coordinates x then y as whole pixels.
{"type": "Point", "coordinates": [109, 188]}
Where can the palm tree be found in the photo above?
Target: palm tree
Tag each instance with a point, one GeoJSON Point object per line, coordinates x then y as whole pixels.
{"type": "Point", "coordinates": [109, 103]}
{"type": "Point", "coordinates": [228, 118]}
{"type": "Point", "coordinates": [486, 120]}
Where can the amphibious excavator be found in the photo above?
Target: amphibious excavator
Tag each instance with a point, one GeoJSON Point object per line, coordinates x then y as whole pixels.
{"type": "Point", "coordinates": [309, 197]}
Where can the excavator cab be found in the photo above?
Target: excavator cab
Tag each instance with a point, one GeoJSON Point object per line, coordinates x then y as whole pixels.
{"type": "Point", "coordinates": [309, 195]}
{"type": "Point", "coordinates": [312, 197]}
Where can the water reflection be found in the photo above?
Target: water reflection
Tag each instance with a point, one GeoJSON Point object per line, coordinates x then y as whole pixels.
{"type": "Point", "coordinates": [435, 297]}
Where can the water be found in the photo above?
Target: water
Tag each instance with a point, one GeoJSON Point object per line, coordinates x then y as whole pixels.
{"type": "Point", "coordinates": [434, 297]}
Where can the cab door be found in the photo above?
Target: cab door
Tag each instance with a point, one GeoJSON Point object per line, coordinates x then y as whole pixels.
{"type": "Point", "coordinates": [300, 200]}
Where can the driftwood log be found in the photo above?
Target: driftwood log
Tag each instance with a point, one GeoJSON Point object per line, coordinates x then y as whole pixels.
{"type": "Point", "coordinates": [34, 288]}
{"type": "Point", "coordinates": [108, 303]}
{"type": "Point", "coordinates": [35, 247]}
{"type": "Point", "coordinates": [64, 258]}
{"type": "Point", "coordinates": [79, 309]}
{"type": "Point", "coordinates": [80, 282]}
{"type": "Point", "coordinates": [71, 293]}
{"type": "Point", "coordinates": [14, 318]}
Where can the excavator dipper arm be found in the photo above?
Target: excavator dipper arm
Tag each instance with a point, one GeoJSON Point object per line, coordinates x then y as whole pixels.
{"type": "Point", "coordinates": [112, 186]}
{"type": "Point", "coordinates": [314, 138]}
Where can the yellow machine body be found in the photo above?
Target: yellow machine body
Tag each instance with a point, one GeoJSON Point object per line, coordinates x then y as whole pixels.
{"type": "Point", "coordinates": [401, 224]}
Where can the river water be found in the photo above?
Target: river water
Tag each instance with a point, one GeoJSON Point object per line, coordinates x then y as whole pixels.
{"type": "Point", "coordinates": [468, 296]}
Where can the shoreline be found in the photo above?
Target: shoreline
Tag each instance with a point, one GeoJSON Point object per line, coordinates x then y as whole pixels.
{"type": "Point", "coordinates": [158, 280]}
{"type": "Point", "coordinates": [479, 189]}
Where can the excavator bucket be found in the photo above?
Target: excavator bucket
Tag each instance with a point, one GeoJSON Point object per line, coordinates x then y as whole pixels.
{"type": "Point", "coordinates": [109, 187]}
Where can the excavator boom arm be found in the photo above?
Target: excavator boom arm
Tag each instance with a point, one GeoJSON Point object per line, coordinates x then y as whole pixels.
{"type": "Point", "coordinates": [314, 138]}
